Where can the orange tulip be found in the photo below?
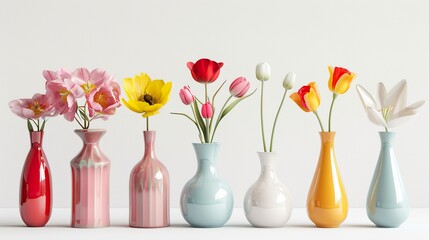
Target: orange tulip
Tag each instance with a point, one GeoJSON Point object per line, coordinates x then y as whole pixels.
{"type": "Point", "coordinates": [340, 79]}
{"type": "Point", "coordinates": [307, 97]}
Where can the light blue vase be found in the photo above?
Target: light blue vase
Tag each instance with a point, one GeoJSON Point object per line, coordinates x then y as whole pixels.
{"type": "Point", "coordinates": [206, 200]}
{"type": "Point", "coordinates": [387, 203]}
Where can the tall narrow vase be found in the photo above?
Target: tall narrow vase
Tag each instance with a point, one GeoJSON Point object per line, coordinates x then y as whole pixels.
{"type": "Point", "coordinates": [35, 195]}
{"type": "Point", "coordinates": [387, 203]}
{"type": "Point", "coordinates": [149, 189]}
{"type": "Point", "coordinates": [268, 202]}
{"type": "Point", "coordinates": [327, 204]}
{"type": "Point", "coordinates": [206, 200]}
{"type": "Point", "coordinates": [90, 183]}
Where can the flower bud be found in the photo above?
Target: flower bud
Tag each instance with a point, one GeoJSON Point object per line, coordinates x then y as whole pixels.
{"type": "Point", "coordinates": [239, 87]}
{"type": "Point", "coordinates": [289, 81]}
{"type": "Point", "coordinates": [207, 110]}
{"type": "Point", "coordinates": [186, 95]}
{"type": "Point", "coordinates": [263, 71]}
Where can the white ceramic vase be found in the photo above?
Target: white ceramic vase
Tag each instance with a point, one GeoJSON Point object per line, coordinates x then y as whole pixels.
{"type": "Point", "coordinates": [268, 203]}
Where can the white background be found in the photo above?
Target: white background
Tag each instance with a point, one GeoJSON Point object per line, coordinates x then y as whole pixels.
{"type": "Point", "coordinates": [379, 40]}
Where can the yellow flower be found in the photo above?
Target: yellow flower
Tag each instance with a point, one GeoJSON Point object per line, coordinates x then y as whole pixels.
{"type": "Point", "coordinates": [144, 95]}
{"type": "Point", "coordinates": [307, 97]}
{"type": "Point", "coordinates": [340, 79]}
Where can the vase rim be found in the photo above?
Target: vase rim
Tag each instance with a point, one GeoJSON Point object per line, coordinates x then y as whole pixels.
{"type": "Point", "coordinates": [149, 130]}
{"type": "Point", "coordinates": [261, 152]}
{"type": "Point", "coordinates": [213, 143]}
{"type": "Point", "coordinates": [384, 132]}
{"type": "Point", "coordinates": [90, 130]}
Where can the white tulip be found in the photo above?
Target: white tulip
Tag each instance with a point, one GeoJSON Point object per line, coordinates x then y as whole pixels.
{"type": "Point", "coordinates": [390, 110]}
{"type": "Point", "coordinates": [263, 71]}
{"type": "Point", "coordinates": [289, 81]}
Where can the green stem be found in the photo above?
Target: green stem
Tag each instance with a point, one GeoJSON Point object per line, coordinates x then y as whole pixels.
{"type": "Point", "coordinates": [334, 96]}
{"type": "Point", "coordinates": [213, 103]}
{"type": "Point", "coordinates": [35, 123]}
{"type": "Point", "coordinates": [275, 121]}
{"type": "Point", "coordinates": [219, 117]}
{"type": "Point", "coordinates": [147, 123]}
{"type": "Point", "coordinates": [38, 124]}
{"type": "Point", "coordinates": [198, 127]}
{"type": "Point", "coordinates": [207, 137]}
{"type": "Point", "coordinates": [192, 120]}
{"type": "Point", "coordinates": [80, 124]}
{"type": "Point", "coordinates": [318, 119]}
{"type": "Point", "coordinates": [385, 128]}
{"type": "Point", "coordinates": [262, 116]}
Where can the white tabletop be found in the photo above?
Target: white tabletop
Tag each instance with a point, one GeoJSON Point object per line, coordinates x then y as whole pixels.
{"type": "Point", "coordinates": [356, 226]}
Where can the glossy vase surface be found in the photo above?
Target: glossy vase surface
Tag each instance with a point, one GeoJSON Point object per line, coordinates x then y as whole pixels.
{"type": "Point", "coordinates": [35, 194]}
{"type": "Point", "coordinates": [387, 203]}
{"type": "Point", "coordinates": [90, 182]}
{"type": "Point", "coordinates": [149, 189]}
{"type": "Point", "coordinates": [268, 203]}
{"type": "Point", "coordinates": [327, 204]}
{"type": "Point", "coordinates": [206, 200]}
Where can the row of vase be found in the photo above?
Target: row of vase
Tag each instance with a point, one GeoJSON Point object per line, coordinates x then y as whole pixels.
{"type": "Point", "coordinates": [206, 200]}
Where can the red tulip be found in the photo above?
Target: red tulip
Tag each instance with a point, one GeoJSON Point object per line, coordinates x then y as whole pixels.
{"type": "Point", "coordinates": [205, 70]}
{"type": "Point", "coordinates": [207, 110]}
{"type": "Point", "coordinates": [239, 87]}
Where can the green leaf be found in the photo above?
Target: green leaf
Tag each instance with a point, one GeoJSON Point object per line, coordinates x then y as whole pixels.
{"type": "Point", "coordinates": [43, 125]}
{"type": "Point", "coordinates": [232, 105]}
{"type": "Point", "coordinates": [214, 95]}
{"type": "Point", "coordinates": [185, 115]}
{"type": "Point", "coordinates": [29, 126]}
{"type": "Point", "coordinates": [200, 120]}
{"type": "Point", "coordinates": [83, 115]}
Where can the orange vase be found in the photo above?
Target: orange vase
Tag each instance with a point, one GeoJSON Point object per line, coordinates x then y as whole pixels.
{"type": "Point", "coordinates": [327, 201]}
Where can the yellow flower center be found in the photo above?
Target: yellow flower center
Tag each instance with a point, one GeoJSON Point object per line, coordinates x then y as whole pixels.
{"type": "Point", "coordinates": [386, 111]}
{"type": "Point", "coordinates": [36, 108]}
{"type": "Point", "coordinates": [64, 93]}
{"type": "Point", "coordinates": [87, 87]}
{"type": "Point", "coordinates": [147, 98]}
{"type": "Point", "coordinates": [100, 98]}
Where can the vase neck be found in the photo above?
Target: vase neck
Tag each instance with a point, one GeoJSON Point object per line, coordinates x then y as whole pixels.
{"type": "Point", "coordinates": [90, 136]}
{"type": "Point", "coordinates": [206, 156]}
{"type": "Point", "coordinates": [387, 137]}
{"type": "Point", "coordinates": [149, 144]}
{"type": "Point", "coordinates": [36, 138]}
{"type": "Point", "coordinates": [268, 162]}
{"type": "Point", "coordinates": [327, 137]}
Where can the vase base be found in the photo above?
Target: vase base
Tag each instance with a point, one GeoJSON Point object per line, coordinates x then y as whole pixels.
{"type": "Point", "coordinates": [144, 226]}
{"type": "Point", "coordinates": [207, 226]}
{"type": "Point", "coordinates": [327, 226]}
{"type": "Point", "coordinates": [388, 217]}
{"type": "Point", "coordinates": [268, 217]}
{"type": "Point", "coordinates": [92, 226]}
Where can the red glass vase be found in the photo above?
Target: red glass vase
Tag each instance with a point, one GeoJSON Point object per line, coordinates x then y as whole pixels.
{"type": "Point", "coordinates": [35, 196]}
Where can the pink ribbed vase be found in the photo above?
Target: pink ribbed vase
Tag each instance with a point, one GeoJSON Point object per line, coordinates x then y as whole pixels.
{"type": "Point", "coordinates": [90, 183]}
{"type": "Point", "coordinates": [149, 189]}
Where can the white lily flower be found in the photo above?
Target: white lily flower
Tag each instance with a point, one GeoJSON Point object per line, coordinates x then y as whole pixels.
{"type": "Point", "coordinates": [390, 109]}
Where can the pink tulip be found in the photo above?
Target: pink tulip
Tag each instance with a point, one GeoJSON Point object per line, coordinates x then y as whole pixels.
{"type": "Point", "coordinates": [37, 107]}
{"type": "Point", "coordinates": [207, 110]}
{"type": "Point", "coordinates": [63, 91]}
{"type": "Point", "coordinates": [239, 87]}
{"type": "Point", "coordinates": [186, 95]}
{"type": "Point", "coordinates": [104, 101]}
{"type": "Point", "coordinates": [90, 81]}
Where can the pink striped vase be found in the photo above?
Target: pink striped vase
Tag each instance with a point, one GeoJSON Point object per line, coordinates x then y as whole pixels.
{"type": "Point", "coordinates": [90, 183]}
{"type": "Point", "coordinates": [149, 189]}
